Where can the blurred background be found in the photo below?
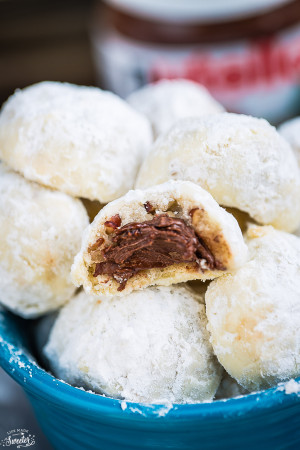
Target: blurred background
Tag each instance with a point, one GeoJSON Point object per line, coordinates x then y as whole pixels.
{"type": "Point", "coordinates": [44, 40]}
{"type": "Point", "coordinates": [246, 52]}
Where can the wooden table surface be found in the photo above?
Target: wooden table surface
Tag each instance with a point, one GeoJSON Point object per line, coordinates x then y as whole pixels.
{"type": "Point", "coordinates": [44, 40]}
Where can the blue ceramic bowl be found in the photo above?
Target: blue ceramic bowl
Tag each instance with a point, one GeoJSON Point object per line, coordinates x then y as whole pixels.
{"type": "Point", "coordinates": [74, 419]}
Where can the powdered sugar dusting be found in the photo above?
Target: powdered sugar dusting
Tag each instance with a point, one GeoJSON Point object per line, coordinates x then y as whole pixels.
{"type": "Point", "coordinates": [254, 313]}
{"type": "Point", "coordinates": [137, 410]}
{"type": "Point", "coordinates": [169, 100]}
{"type": "Point", "coordinates": [123, 405]}
{"type": "Point", "coordinates": [292, 387]}
{"type": "Point", "coordinates": [150, 346]}
{"type": "Point", "coordinates": [240, 160]}
{"type": "Point", "coordinates": [81, 140]}
{"type": "Point", "coordinates": [41, 232]}
{"type": "Point", "coordinates": [163, 411]}
{"type": "Point", "coordinates": [18, 357]}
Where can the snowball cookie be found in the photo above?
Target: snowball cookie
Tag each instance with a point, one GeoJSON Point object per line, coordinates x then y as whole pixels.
{"type": "Point", "coordinates": [254, 313]}
{"type": "Point", "coordinates": [77, 139]}
{"type": "Point", "coordinates": [290, 130]}
{"type": "Point", "coordinates": [150, 346]}
{"type": "Point", "coordinates": [169, 100]}
{"type": "Point", "coordinates": [242, 161]}
{"type": "Point", "coordinates": [41, 231]}
{"type": "Point", "coordinates": [163, 235]}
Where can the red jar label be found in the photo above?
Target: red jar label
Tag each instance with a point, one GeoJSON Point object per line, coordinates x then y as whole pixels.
{"type": "Point", "coordinates": [258, 77]}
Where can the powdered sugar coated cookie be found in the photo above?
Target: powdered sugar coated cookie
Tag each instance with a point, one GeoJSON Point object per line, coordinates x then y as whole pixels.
{"type": "Point", "coordinates": [41, 232]}
{"type": "Point", "coordinates": [77, 139]}
{"type": "Point", "coordinates": [151, 346]}
{"type": "Point", "coordinates": [242, 161]}
{"type": "Point", "coordinates": [254, 312]}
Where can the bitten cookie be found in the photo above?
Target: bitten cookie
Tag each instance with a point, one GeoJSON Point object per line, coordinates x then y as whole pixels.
{"type": "Point", "coordinates": [163, 235]}
{"type": "Point", "coordinates": [41, 231]}
{"type": "Point", "coordinates": [77, 139]}
{"type": "Point", "coordinates": [151, 346]}
{"type": "Point", "coordinates": [254, 313]}
{"type": "Point", "coordinates": [290, 130]}
{"type": "Point", "coordinates": [242, 161]}
{"type": "Point", "coordinates": [169, 100]}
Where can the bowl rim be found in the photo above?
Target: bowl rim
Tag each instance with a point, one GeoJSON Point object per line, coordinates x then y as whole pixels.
{"type": "Point", "coordinates": [21, 366]}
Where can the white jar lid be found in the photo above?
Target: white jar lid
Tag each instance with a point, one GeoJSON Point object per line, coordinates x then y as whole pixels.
{"type": "Point", "coordinates": [195, 10]}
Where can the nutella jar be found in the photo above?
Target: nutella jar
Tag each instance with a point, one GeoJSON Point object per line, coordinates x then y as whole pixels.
{"type": "Point", "coordinates": [247, 53]}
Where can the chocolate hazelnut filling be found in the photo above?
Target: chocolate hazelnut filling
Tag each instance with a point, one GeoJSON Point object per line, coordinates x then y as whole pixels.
{"type": "Point", "coordinates": [157, 243]}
